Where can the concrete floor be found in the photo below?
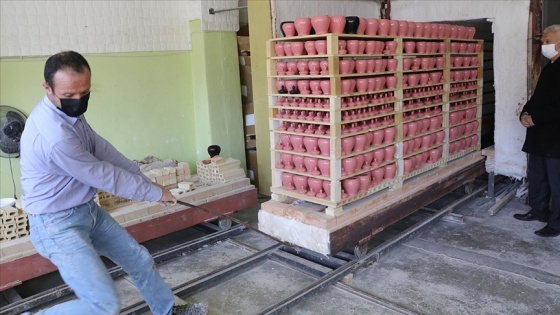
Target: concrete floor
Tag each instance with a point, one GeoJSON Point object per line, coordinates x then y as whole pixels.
{"type": "Point", "coordinates": [486, 265]}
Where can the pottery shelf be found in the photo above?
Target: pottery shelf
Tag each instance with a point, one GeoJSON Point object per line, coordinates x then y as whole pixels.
{"type": "Point", "coordinates": [425, 98]}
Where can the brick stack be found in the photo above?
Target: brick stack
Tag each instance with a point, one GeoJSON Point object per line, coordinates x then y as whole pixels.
{"type": "Point", "coordinates": [219, 170]}
{"type": "Point", "coordinates": [13, 223]}
{"type": "Point", "coordinates": [170, 177]}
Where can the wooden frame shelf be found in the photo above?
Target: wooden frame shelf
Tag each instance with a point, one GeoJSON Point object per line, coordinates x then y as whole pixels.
{"type": "Point", "coordinates": [447, 97]}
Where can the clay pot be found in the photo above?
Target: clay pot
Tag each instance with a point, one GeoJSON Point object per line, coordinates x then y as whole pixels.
{"type": "Point", "coordinates": [409, 47]}
{"type": "Point", "coordinates": [287, 181]}
{"type": "Point", "coordinates": [303, 26]}
{"type": "Point", "coordinates": [360, 142]}
{"type": "Point", "coordinates": [372, 26]}
{"type": "Point", "coordinates": [351, 186]}
{"type": "Point", "coordinates": [391, 47]}
{"type": "Point", "coordinates": [393, 27]}
{"type": "Point", "coordinates": [435, 154]}
{"type": "Point", "coordinates": [297, 143]}
{"type": "Point", "coordinates": [310, 47]}
{"type": "Point", "coordinates": [365, 180]}
{"type": "Point", "coordinates": [419, 32]}
{"type": "Point", "coordinates": [389, 171]}
{"type": "Point", "coordinates": [298, 163]}
{"type": "Point", "coordinates": [377, 175]}
{"type": "Point", "coordinates": [408, 164]}
{"type": "Point", "coordinates": [361, 47]}
{"type": "Point", "coordinates": [281, 68]}
{"type": "Point", "coordinates": [313, 66]}
{"type": "Point", "coordinates": [361, 66]}
{"type": "Point", "coordinates": [302, 66]}
{"type": "Point", "coordinates": [440, 135]}
{"type": "Point", "coordinates": [321, 24]}
{"type": "Point", "coordinates": [391, 82]}
{"type": "Point", "coordinates": [362, 26]}
{"type": "Point", "coordinates": [392, 64]}
{"type": "Point", "coordinates": [361, 85]}
{"type": "Point", "coordinates": [352, 46]}
{"type": "Point", "coordinates": [413, 79]}
{"type": "Point", "coordinates": [352, 24]}
{"type": "Point", "coordinates": [389, 153]}
{"type": "Point", "coordinates": [324, 146]}
{"type": "Point", "coordinates": [348, 166]}
{"type": "Point", "coordinates": [461, 31]}
{"type": "Point", "coordinates": [297, 48]}
{"type": "Point", "coordinates": [389, 134]}
{"type": "Point", "coordinates": [337, 24]}
{"type": "Point", "coordinates": [378, 136]}
{"type": "Point", "coordinates": [311, 145]}
{"type": "Point", "coordinates": [348, 145]}
{"type": "Point", "coordinates": [383, 29]}
{"type": "Point", "coordinates": [288, 49]}
{"type": "Point", "coordinates": [360, 160]}
{"type": "Point", "coordinates": [311, 165]}
{"type": "Point", "coordinates": [327, 188]}
{"type": "Point", "coordinates": [286, 159]}
{"type": "Point", "coordinates": [321, 46]}
{"type": "Point", "coordinates": [324, 167]}
{"type": "Point", "coordinates": [368, 158]}
{"type": "Point", "coordinates": [300, 183]}
{"type": "Point", "coordinates": [288, 28]}
{"type": "Point", "coordinates": [326, 87]}
{"type": "Point", "coordinates": [279, 49]}
{"type": "Point", "coordinates": [411, 27]}
{"type": "Point", "coordinates": [403, 28]}
{"type": "Point", "coordinates": [407, 63]}
{"type": "Point", "coordinates": [315, 186]}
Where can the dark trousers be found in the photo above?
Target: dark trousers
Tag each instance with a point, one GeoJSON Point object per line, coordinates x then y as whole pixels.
{"type": "Point", "coordinates": [544, 188]}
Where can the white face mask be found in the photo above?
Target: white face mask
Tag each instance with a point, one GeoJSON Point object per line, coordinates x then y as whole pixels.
{"type": "Point", "coordinates": [548, 50]}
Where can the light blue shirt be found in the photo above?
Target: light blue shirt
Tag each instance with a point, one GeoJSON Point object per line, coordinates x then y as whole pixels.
{"type": "Point", "coordinates": [64, 162]}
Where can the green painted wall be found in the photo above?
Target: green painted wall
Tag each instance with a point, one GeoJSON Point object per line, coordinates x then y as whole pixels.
{"type": "Point", "coordinates": [260, 14]}
{"type": "Point", "coordinates": [167, 104]}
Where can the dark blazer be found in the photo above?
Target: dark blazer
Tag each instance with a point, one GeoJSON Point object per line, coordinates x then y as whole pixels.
{"type": "Point", "coordinates": [544, 107]}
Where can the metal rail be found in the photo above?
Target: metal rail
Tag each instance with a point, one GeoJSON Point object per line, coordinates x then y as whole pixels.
{"type": "Point", "coordinates": [225, 216]}
{"type": "Point", "coordinates": [63, 290]}
{"type": "Point", "coordinates": [328, 270]}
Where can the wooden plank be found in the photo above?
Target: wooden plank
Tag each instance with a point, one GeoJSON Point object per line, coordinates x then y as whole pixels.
{"type": "Point", "coordinates": [503, 198]}
{"type": "Point", "coordinates": [351, 234]}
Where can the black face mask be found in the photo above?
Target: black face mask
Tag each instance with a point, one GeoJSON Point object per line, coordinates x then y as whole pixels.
{"type": "Point", "coordinates": [74, 107]}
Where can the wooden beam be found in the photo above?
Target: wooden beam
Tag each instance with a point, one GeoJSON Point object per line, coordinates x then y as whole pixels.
{"type": "Point", "coordinates": [352, 234]}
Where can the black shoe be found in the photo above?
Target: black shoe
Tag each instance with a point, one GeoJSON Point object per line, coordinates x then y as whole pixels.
{"type": "Point", "coordinates": [547, 231]}
{"type": "Point", "coordinates": [198, 308]}
{"type": "Point", "coordinates": [528, 217]}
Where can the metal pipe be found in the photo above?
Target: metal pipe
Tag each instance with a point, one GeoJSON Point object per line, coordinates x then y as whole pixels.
{"type": "Point", "coordinates": [212, 11]}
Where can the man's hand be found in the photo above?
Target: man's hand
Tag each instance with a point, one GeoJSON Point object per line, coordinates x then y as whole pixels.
{"type": "Point", "coordinates": [527, 120]}
{"type": "Point", "coordinates": [167, 198]}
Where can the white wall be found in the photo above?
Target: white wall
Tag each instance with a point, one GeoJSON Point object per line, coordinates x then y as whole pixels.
{"type": "Point", "coordinates": [40, 28]}
{"type": "Point", "coordinates": [510, 27]}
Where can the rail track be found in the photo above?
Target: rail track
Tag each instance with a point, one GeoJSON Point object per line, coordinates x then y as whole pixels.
{"type": "Point", "coordinates": [320, 271]}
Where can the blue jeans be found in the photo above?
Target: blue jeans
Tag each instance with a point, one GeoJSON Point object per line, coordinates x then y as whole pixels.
{"type": "Point", "coordinates": [73, 240]}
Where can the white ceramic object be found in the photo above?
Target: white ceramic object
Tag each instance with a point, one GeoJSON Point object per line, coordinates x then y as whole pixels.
{"type": "Point", "coordinates": [4, 202]}
{"type": "Point", "coordinates": [177, 191]}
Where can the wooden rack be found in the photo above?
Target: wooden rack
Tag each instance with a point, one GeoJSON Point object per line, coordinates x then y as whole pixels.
{"type": "Point", "coordinates": [439, 97]}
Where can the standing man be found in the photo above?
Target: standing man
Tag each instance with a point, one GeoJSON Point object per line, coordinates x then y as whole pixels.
{"type": "Point", "coordinates": [63, 163]}
{"type": "Point", "coordinates": [541, 117]}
